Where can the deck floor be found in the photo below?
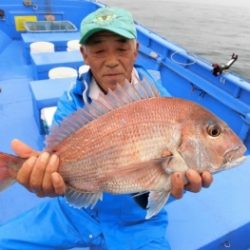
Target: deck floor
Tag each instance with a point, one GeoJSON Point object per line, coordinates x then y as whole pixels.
{"type": "Point", "coordinates": [17, 121]}
{"type": "Point", "coordinates": [16, 112]}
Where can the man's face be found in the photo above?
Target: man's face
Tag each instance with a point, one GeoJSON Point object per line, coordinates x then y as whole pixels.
{"type": "Point", "coordinates": [110, 57]}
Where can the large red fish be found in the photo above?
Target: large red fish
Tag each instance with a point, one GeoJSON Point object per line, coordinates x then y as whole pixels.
{"type": "Point", "coordinates": [131, 140]}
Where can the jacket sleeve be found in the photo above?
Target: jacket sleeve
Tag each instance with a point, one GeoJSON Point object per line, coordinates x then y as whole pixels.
{"type": "Point", "coordinates": [65, 106]}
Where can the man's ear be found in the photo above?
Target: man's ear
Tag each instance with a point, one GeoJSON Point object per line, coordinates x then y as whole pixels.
{"type": "Point", "coordinates": [136, 49]}
{"type": "Point", "coordinates": [84, 54]}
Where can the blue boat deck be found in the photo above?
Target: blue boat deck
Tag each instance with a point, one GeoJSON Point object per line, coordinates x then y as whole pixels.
{"type": "Point", "coordinates": [217, 217]}
{"type": "Point", "coordinates": [17, 120]}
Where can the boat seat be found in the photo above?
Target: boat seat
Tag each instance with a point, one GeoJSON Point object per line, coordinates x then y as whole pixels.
{"type": "Point", "coordinates": [59, 39]}
{"type": "Point", "coordinates": [45, 93]}
{"type": "Point", "coordinates": [43, 62]}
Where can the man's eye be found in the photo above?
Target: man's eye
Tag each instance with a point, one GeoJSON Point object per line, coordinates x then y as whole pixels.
{"type": "Point", "coordinates": [99, 51]}
{"type": "Point", "coordinates": [122, 50]}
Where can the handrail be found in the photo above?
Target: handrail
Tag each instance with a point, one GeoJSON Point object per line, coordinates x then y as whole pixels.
{"type": "Point", "coordinates": [205, 86]}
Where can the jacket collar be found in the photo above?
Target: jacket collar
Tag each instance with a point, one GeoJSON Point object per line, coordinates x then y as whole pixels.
{"type": "Point", "coordinates": [82, 85]}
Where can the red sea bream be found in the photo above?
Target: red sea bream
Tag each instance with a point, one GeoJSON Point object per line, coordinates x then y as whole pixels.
{"type": "Point", "coordinates": [131, 140]}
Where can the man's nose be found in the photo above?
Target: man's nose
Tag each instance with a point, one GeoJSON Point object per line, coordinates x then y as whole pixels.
{"type": "Point", "coordinates": [112, 61]}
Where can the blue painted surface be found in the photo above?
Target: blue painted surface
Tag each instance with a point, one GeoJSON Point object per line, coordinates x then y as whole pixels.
{"type": "Point", "coordinates": [43, 62]}
{"type": "Point", "coordinates": [216, 216]}
{"type": "Point", "coordinates": [59, 39]}
{"type": "Point", "coordinates": [212, 219]}
{"type": "Point", "coordinates": [61, 10]}
{"type": "Point", "coordinates": [42, 98]}
{"type": "Point", "coordinates": [4, 41]}
{"type": "Point", "coordinates": [16, 112]}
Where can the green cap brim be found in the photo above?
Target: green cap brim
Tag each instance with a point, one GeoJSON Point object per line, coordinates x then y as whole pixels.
{"type": "Point", "coordinates": [117, 31]}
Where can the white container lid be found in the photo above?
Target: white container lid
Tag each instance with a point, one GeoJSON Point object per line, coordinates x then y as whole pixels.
{"type": "Point", "coordinates": [73, 45]}
{"type": "Point", "coordinates": [62, 72]}
{"type": "Point", "coordinates": [41, 47]}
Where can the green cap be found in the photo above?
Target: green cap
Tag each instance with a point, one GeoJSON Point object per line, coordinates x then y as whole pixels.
{"type": "Point", "coordinates": [115, 20]}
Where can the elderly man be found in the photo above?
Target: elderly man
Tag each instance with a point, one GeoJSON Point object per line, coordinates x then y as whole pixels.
{"type": "Point", "coordinates": [109, 47]}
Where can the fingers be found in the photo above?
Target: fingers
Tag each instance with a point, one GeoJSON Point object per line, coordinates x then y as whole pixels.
{"type": "Point", "coordinates": [207, 179]}
{"type": "Point", "coordinates": [39, 175]}
{"type": "Point", "coordinates": [51, 167]}
{"type": "Point", "coordinates": [57, 186]}
{"type": "Point", "coordinates": [194, 181]}
{"type": "Point", "coordinates": [191, 180]}
{"type": "Point", "coordinates": [53, 181]}
{"type": "Point", "coordinates": [58, 183]}
{"type": "Point", "coordinates": [23, 175]}
{"type": "Point", "coordinates": [32, 172]}
{"type": "Point", "coordinates": [177, 180]}
{"type": "Point", "coordinates": [38, 172]}
{"type": "Point", "coordinates": [22, 149]}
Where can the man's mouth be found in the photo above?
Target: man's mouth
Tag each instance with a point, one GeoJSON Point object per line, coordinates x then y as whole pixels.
{"type": "Point", "coordinates": [112, 74]}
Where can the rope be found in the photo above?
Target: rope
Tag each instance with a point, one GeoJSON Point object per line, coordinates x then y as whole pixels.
{"type": "Point", "coordinates": [180, 63]}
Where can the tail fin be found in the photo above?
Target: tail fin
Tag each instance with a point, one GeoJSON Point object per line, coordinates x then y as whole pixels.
{"type": "Point", "coordinates": [9, 165]}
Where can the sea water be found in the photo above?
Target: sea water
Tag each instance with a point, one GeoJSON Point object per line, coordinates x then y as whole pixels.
{"type": "Point", "coordinates": [210, 29]}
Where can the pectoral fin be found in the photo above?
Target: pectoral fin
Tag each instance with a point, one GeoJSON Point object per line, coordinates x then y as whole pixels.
{"type": "Point", "coordinates": [79, 200]}
{"type": "Point", "coordinates": [156, 201]}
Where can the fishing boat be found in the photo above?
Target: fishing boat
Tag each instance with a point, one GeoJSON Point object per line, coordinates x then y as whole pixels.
{"type": "Point", "coordinates": [215, 218]}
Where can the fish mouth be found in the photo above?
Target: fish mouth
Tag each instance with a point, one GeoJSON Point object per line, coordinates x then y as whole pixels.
{"type": "Point", "coordinates": [228, 165]}
{"type": "Point", "coordinates": [233, 154]}
{"type": "Point", "coordinates": [232, 157]}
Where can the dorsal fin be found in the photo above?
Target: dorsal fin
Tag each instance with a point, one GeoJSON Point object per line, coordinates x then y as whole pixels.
{"type": "Point", "coordinates": [121, 96]}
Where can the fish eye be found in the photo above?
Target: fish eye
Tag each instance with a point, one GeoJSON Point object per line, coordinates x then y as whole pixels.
{"type": "Point", "coordinates": [214, 130]}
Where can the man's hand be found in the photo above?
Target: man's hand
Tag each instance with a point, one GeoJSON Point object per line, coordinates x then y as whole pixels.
{"type": "Point", "coordinates": [39, 172]}
{"type": "Point", "coordinates": [191, 181]}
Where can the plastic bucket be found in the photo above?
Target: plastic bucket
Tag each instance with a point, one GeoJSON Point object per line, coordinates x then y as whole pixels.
{"type": "Point", "coordinates": [42, 47]}
{"type": "Point", "coordinates": [62, 72]}
{"type": "Point", "coordinates": [73, 45]}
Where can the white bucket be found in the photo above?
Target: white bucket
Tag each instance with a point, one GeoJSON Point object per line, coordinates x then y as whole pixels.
{"type": "Point", "coordinates": [42, 47]}
{"type": "Point", "coordinates": [62, 72]}
{"type": "Point", "coordinates": [73, 45]}
{"type": "Point", "coordinates": [47, 115]}
{"type": "Point", "coordinates": [83, 69]}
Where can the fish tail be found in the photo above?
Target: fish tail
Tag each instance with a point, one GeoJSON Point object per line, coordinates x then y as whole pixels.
{"type": "Point", "coordinates": [9, 165]}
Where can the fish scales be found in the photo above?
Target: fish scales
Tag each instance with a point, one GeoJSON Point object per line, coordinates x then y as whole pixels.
{"type": "Point", "coordinates": [149, 178]}
{"type": "Point", "coordinates": [134, 140]}
{"type": "Point", "coordinates": [116, 121]}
